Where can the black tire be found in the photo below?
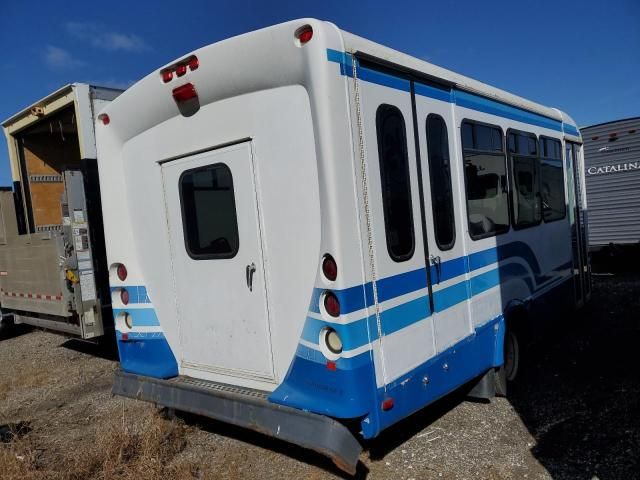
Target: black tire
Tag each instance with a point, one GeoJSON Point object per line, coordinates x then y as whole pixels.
{"type": "Point", "coordinates": [508, 372]}
{"type": "Point", "coordinates": [6, 323]}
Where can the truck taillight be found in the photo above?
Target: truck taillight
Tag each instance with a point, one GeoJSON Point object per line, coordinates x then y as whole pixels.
{"type": "Point", "coordinates": [104, 118]}
{"type": "Point", "coordinates": [124, 296]}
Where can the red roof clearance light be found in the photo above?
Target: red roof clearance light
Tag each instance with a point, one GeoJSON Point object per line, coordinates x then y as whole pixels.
{"type": "Point", "coordinates": [167, 76]}
{"type": "Point", "coordinates": [304, 34]}
{"type": "Point", "coordinates": [104, 118]}
{"type": "Point", "coordinates": [193, 63]}
{"type": "Point", "coordinates": [181, 70]}
{"type": "Point", "coordinates": [185, 92]}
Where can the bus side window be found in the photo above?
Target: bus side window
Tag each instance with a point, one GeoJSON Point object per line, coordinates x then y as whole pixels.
{"type": "Point", "coordinates": [523, 155]}
{"type": "Point", "coordinates": [552, 180]}
{"type": "Point", "coordinates": [395, 182]}
{"type": "Point", "coordinates": [485, 174]}
{"type": "Point", "coordinates": [440, 177]}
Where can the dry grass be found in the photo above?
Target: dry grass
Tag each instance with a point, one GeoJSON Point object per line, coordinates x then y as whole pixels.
{"type": "Point", "coordinates": [24, 376]}
{"type": "Point", "coordinates": [142, 450]}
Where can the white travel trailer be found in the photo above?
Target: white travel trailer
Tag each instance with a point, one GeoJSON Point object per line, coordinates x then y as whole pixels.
{"type": "Point", "coordinates": [314, 236]}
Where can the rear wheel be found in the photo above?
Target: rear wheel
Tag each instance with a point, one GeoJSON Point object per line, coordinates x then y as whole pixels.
{"type": "Point", "coordinates": [6, 322]}
{"type": "Point", "coordinates": [508, 372]}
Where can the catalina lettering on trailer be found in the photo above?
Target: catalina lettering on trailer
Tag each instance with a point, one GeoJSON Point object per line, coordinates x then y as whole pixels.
{"type": "Point", "coordinates": [620, 167]}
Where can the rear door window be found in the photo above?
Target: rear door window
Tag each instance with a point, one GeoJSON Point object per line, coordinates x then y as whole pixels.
{"type": "Point", "coordinates": [209, 212]}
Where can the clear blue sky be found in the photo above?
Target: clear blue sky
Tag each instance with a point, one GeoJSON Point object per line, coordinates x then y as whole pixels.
{"type": "Point", "coordinates": [580, 56]}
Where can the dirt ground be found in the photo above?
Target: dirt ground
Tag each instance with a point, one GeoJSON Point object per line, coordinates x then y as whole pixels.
{"type": "Point", "coordinates": [575, 415]}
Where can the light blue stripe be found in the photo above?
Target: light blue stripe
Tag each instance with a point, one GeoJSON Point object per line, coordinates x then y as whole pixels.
{"type": "Point", "coordinates": [141, 317]}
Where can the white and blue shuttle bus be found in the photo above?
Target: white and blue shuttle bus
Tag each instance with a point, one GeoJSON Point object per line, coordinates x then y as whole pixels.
{"type": "Point", "coordinates": [314, 236]}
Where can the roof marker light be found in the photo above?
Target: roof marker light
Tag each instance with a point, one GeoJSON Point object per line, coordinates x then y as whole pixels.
{"type": "Point", "coordinates": [185, 92]}
{"type": "Point", "coordinates": [167, 76]}
{"type": "Point", "coordinates": [104, 118]}
{"type": "Point", "coordinates": [304, 34]}
{"type": "Point", "coordinates": [193, 63]}
{"type": "Point", "coordinates": [181, 70]}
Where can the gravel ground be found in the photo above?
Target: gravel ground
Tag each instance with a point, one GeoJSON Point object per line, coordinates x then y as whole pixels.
{"type": "Point", "coordinates": [575, 415]}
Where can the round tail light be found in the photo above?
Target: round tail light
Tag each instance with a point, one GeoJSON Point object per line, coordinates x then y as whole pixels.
{"type": "Point", "coordinates": [331, 304]}
{"type": "Point", "coordinates": [329, 267]}
{"type": "Point", "coordinates": [124, 296]}
{"type": "Point", "coordinates": [121, 271]}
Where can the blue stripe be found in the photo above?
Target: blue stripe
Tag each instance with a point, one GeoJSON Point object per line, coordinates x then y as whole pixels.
{"type": "Point", "coordinates": [137, 293]}
{"type": "Point", "coordinates": [458, 97]}
{"type": "Point", "coordinates": [570, 129]}
{"type": "Point", "coordinates": [141, 317]}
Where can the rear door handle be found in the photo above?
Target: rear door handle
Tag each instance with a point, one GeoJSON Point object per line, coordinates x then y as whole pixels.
{"type": "Point", "coordinates": [436, 262]}
{"type": "Point", "coordinates": [251, 269]}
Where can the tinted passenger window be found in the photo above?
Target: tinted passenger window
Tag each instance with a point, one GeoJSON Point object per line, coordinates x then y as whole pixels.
{"type": "Point", "coordinates": [552, 180]}
{"type": "Point", "coordinates": [209, 212]}
{"type": "Point", "coordinates": [523, 153]}
{"type": "Point", "coordinates": [394, 178]}
{"type": "Point", "coordinates": [440, 175]}
{"type": "Point", "coordinates": [485, 172]}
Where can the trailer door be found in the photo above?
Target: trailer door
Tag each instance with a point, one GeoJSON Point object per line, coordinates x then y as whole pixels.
{"type": "Point", "coordinates": [216, 246]}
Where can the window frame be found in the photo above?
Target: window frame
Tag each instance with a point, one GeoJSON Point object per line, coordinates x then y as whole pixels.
{"type": "Point", "coordinates": [507, 172]}
{"type": "Point", "coordinates": [512, 176]}
{"type": "Point", "coordinates": [207, 256]}
{"type": "Point", "coordinates": [379, 117]}
{"type": "Point", "coordinates": [564, 174]}
{"type": "Point", "coordinates": [451, 244]}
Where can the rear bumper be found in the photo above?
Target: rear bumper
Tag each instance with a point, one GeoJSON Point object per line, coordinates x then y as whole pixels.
{"type": "Point", "coordinates": [246, 408]}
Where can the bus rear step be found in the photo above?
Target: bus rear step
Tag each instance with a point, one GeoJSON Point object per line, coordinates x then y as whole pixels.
{"type": "Point", "coordinates": [246, 408]}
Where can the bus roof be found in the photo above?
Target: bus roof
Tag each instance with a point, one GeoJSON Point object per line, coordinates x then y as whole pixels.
{"type": "Point", "coordinates": [354, 43]}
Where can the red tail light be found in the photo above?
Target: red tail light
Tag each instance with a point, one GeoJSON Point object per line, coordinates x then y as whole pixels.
{"type": "Point", "coordinates": [387, 404]}
{"type": "Point", "coordinates": [304, 34]}
{"type": "Point", "coordinates": [329, 267]}
{"type": "Point", "coordinates": [104, 118]}
{"type": "Point", "coordinates": [185, 92]}
{"type": "Point", "coordinates": [121, 271]}
{"type": "Point", "coordinates": [124, 296]}
{"type": "Point", "coordinates": [331, 304]}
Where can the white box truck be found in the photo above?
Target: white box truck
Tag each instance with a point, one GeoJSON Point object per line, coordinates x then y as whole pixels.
{"type": "Point", "coordinates": [53, 272]}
